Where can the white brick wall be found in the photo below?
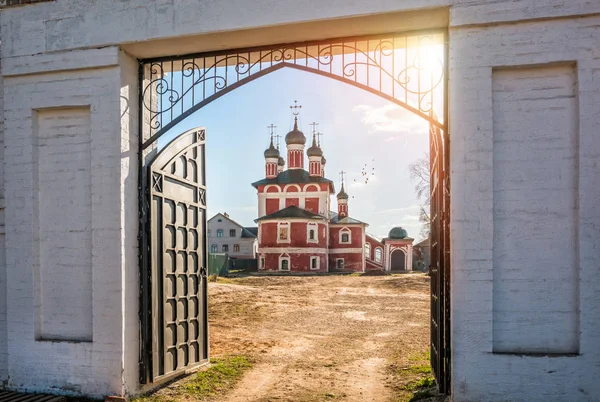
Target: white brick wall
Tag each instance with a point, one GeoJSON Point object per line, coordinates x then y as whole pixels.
{"type": "Point", "coordinates": [67, 50]}
{"type": "Point", "coordinates": [525, 222]}
{"type": "Point", "coordinates": [92, 368]}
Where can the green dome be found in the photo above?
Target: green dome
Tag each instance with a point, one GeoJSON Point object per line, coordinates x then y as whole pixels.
{"type": "Point", "coordinates": [398, 233]}
{"type": "Point", "coordinates": [342, 194]}
{"type": "Point", "coordinates": [281, 161]}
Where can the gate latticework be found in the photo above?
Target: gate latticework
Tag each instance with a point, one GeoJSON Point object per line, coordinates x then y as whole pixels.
{"type": "Point", "coordinates": [174, 294]}
{"type": "Point", "coordinates": [408, 69]}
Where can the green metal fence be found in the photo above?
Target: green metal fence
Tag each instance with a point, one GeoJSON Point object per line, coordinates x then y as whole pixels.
{"type": "Point", "coordinates": [218, 264]}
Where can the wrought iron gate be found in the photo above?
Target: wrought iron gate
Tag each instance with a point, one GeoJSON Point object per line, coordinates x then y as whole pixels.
{"type": "Point", "coordinates": [440, 257]}
{"type": "Point", "coordinates": [398, 67]}
{"type": "Point", "coordinates": [174, 298]}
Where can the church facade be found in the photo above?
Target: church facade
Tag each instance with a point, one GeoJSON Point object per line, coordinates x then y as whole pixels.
{"type": "Point", "coordinates": [299, 232]}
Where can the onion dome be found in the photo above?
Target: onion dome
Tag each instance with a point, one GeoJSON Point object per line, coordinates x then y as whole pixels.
{"type": "Point", "coordinates": [272, 152]}
{"type": "Point", "coordinates": [398, 233]}
{"type": "Point", "coordinates": [295, 136]}
{"type": "Point", "coordinates": [314, 150]}
{"type": "Point", "coordinates": [281, 161]}
{"type": "Point", "coordinates": [323, 161]}
{"type": "Point", "coordinates": [342, 194]}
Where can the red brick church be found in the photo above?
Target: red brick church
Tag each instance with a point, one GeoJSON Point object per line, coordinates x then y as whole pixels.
{"type": "Point", "coordinates": [298, 232]}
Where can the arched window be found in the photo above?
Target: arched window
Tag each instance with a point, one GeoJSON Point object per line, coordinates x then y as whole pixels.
{"type": "Point", "coordinates": [368, 250]}
{"type": "Point", "coordinates": [378, 254]}
{"type": "Point", "coordinates": [236, 248]}
{"type": "Point", "coordinates": [214, 248]}
{"type": "Point", "coordinates": [225, 248]}
{"type": "Point", "coordinates": [345, 237]}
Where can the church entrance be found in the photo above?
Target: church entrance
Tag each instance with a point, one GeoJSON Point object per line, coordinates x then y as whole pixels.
{"type": "Point", "coordinates": [405, 69]}
{"type": "Point", "coordinates": [398, 262]}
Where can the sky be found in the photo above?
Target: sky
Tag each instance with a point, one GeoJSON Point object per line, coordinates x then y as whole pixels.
{"type": "Point", "coordinates": [361, 132]}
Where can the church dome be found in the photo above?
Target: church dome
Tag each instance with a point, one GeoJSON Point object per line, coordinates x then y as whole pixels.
{"type": "Point", "coordinates": [398, 233]}
{"type": "Point", "coordinates": [314, 150]}
{"type": "Point", "coordinates": [323, 161]}
{"type": "Point", "coordinates": [281, 161]}
{"type": "Point", "coordinates": [271, 152]}
{"type": "Point", "coordinates": [295, 136]}
{"type": "Point", "coordinates": [342, 194]}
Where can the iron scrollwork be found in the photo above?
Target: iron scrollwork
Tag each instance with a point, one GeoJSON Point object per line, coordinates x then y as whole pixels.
{"type": "Point", "coordinates": [392, 67]}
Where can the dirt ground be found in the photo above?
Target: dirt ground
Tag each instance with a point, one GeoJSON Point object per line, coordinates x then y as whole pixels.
{"type": "Point", "coordinates": [347, 338]}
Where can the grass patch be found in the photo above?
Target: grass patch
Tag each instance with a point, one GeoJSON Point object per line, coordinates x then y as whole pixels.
{"type": "Point", "coordinates": [221, 376]}
{"type": "Point", "coordinates": [413, 379]}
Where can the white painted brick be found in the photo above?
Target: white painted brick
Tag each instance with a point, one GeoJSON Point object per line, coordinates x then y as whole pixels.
{"type": "Point", "coordinates": [38, 39]}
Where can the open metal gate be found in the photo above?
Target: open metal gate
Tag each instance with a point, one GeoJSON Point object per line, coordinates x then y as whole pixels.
{"type": "Point", "coordinates": [440, 258]}
{"type": "Point", "coordinates": [405, 68]}
{"type": "Point", "coordinates": [174, 330]}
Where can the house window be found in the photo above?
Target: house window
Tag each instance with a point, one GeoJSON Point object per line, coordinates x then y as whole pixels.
{"type": "Point", "coordinates": [236, 248]}
{"type": "Point", "coordinates": [378, 254]}
{"type": "Point", "coordinates": [285, 264]}
{"type": "Point", "coordinates": [314, 262]}
{"type": "Point", "coordinates": [339, 263]}
{"type": "Point", "coordinates": [283, 230]}
{"type": "Point", "coordinates": [219, 232]}
{"type": "Point", "coordinates": [225, 248]}
{"type": "Point", "coordinates": [368, 250]}
{"type": "Point", "coordinates": [232, 233]}
{"type": "Point", "coordinates": [214, 248]}
{"type": "Point", "coordinates": [220, 220]}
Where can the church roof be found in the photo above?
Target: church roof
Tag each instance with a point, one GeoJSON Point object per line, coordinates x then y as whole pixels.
{"type": "Point", "coordinates": [294, 176]}
{"type": "Point", "coordinates": [272, 152]}
{"type": "Point", "coordinates": [346, 220]}
{"type": "Point", "coordinates": [291, 212]}
{"type": "Point", "coordinates": [295, 136]}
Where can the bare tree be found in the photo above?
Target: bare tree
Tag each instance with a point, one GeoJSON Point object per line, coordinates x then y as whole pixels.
{"type": "Point", "coordinates": [419, 172]}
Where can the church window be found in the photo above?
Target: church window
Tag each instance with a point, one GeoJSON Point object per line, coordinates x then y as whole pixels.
{"type": "Point", "coordinates": [214, 248]}
{"type": "Point", "coordinates": [225, 248]}
{"type": "Point", "coordinates": [378, 254]}
{"type": "Point", "coordinates": [285, 264]}
{"type": "Point", "coordinates": [345, 237]}
{"type": "Point", "coordinates": [368, 250]}
{"type": "Point", "coordinates": [314, 262]}
{"type": "Point", "coordinates": [236, 248]}
{"type": "Point", "coordinates": [262, 263]}
{"type": "Point", "coordinates": [219, 232]}
{"type": "Point", "coordinates": [339, 263]}
{"type": "Point", "coordinates": [283, 232]}
{"type": "Point", "coordinates": [312, 233]}
{"type": "Point", "coordinates": [231, 232]}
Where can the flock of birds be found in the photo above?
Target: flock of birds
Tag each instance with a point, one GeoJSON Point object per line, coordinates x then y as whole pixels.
{"type": "Point", "coordinates": [365, 174]}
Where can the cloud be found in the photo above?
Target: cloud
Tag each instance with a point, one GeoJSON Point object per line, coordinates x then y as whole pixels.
{"type": "Point", "coordinates": [391, 118]}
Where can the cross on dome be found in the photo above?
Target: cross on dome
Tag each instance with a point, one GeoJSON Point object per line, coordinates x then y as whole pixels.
{"type": "Point", "coordinates": [295, 109]}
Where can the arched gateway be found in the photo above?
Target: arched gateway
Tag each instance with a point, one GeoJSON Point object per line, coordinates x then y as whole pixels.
{"type": "Point", "coordinates": [406, 69]}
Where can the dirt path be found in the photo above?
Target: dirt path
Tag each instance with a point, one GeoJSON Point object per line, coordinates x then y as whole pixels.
{"type": "Point", "coordinates": [320, 338]}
